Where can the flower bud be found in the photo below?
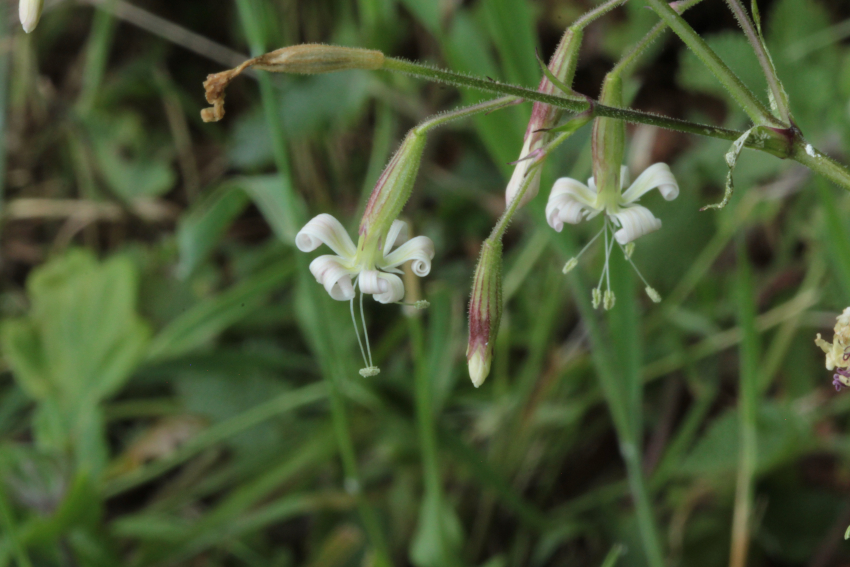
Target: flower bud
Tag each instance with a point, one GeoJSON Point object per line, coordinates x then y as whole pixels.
{"type": "Point", "coordinates": [485, 311]}
{"type": "Point", "coordinates": [30, 12]}
{"type": "Point", "coordinates": [608, 144]}
{"type": "Point", "coordinates": [305, 59]}
{"type": "Point", "coordinates": [393, 188]}
{"type": "Point", "coordinates": [544, 116]}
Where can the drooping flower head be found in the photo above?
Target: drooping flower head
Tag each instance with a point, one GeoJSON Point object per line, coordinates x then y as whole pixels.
{"type": "Point", "coordinates": [383, 247]}
{"type": "Point", "coordinates": [610, 192]}
{"type": "Point", "coordinates": [838, 351]}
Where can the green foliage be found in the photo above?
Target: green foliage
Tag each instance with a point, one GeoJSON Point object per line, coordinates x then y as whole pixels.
{"type": "Point", "coordinates": [193, 397]}
{"type": "Point", "coordinates": [78, 345]}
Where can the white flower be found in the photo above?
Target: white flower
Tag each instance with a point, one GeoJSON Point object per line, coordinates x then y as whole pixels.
{"type": "Point", "coordinates": [521, 171]}
{"type": "Point", "coordinates": [30, 11]}
{"type": "Point", "coordinates": [572, 201]}
{"type": "Point", "coordinates": [374, 268]}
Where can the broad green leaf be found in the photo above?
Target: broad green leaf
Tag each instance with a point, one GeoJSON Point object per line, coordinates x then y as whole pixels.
{"type": "Point", "coordinates": [438, 539]}
{"type": "Point", "coordinates": [79, 344]}
{"type": "Point", "coordinates": [782, 434]}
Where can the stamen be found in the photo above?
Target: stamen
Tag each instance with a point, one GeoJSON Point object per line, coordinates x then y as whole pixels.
{"type": "Point", "coordinates": [650, 291]}
{"type": "Point", "coordinates": [605, 267]}
{"type": "Point", "coordinates": [608, 299]}
{"type": "Point", "coordinates": [371, 367]}
{"type": "Point", "coordinates": [422, 304]}
{"type": "Point", "coordinates": [357, 332]}
{"type": "Point", "coordinates": [573, 262]}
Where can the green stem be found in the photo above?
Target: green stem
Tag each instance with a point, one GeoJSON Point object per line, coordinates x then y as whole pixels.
{"type": "Point", "coordinates": [334, 374]}
{"type": "Point", "coordinates": [97, 56]}
{"type": "Point", "coordinates": [763, 56]}
{"type": "Point", "coordinates": [818, 162]}
{"type": "Point", "coordinates": [800, 152]}
{"type": "Point", "coordinates": [637, 49]}
{"type": "Point", "coordinates": [643, 507]}
{"type": "Point", "coordinates": [743, 96]}
{"type": "Point", "coordinates": [425, 410]}
{"type": "Point", "coordinates": [464, 112]}
{"type": "Point", "coordinates": [567, 103]}
{"type": "Point", "coordinates": [747, 410]}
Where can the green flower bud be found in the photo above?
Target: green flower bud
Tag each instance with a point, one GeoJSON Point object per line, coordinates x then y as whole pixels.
{"type": "Point", "coordinates": [393, 188]}
{"type": "Point", "coordinates": [609, 142]}
{"type": "Point", "coordinates": [305, 59]}
{"type": "Point", "coordinates": [485, 311]}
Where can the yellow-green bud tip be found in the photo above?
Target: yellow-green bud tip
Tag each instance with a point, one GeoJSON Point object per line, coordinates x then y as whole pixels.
{"type": "Point", "coordinates": [479, 368]}
{"type": "Point", "coordinates": [370, 371]}
{"type": "Point", "coordinates": [653, 295]}
{"type": "Point", "coordinates": [422, 304]}
{"type": "Point", "coordinates": [570, 265]}
{"type": "Point", "coordinates": [629, 249]}
{"type": "Point", "coordinates": [609, 300]}
{"type": "Point", "coordinates": [596, 297]}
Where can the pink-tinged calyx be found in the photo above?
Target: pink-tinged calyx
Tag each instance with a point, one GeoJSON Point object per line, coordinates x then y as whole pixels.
{"type": "Point", "coordinates": [485, 311]}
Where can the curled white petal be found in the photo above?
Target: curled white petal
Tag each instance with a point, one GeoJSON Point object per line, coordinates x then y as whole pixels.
{"type": "Point", "coordinates": [519, 177]}
{"type": "Point", "coordinates": [635, 222]}
{"type": "Point", "coordinates": [331, 273]}
{"type": "Point", "coordinates": [386, 288]}
{"type": "Point", "coordinates": [419, 249]}
{"type": "Point", "coordinates": [396, 235]}
{"type": "Point", "coordinates": [570, 201]}
{"type": "Point", "coordinates": [325, 229]}
{"type": "Point", "coordinates": [29, 12]}
{"type": "Point", "coordinates": [655, 176]}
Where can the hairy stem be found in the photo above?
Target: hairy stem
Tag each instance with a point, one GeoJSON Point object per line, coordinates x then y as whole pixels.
{"type": "Point", "coordinates": [800, 151]}
{"type": "Point", "coordinates": [757, 112]}
{"type": "Point", "coordinates": [637, 49]}
{"type": "Point", "coordinates": [763, 56]}
{"type": "Point", "coordinates": [573, 104]}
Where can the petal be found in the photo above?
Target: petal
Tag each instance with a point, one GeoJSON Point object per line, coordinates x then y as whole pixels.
{"type": "Point", "coordinates": [325, 229]}
{"type": "Point", "coordinates": [636, 221]}
{"type": "Point", "coordinates": [625, 178]}
{"type": "Point", "coordinates": [519, 177]}
{"type": "Point", "coordinates": [657, 175]}
{"type": "Point", "coordinates": [385, 288]}
{"type": "Point", "coordinates": [331, 273]}
{"type": "Point", "coordinates": [570, 201]}
{"type": "Point", "coordinates": [419, 249]}
{"type": "Point", "coordinates": [396, 234]}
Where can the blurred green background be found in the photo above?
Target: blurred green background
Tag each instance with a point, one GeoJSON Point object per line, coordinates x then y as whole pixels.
{"type": "Point", "coordinates": [171, 377]}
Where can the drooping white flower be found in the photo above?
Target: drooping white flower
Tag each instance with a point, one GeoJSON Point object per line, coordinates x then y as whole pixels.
{"type": "Point", "coordinates": [374, 269]}
{"type": "Point", "coordinates": [372, 265]}
{"type": "Point", "coordinates": [572, 202]}
{"type": "Point", "coordinates": [29, 12]}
